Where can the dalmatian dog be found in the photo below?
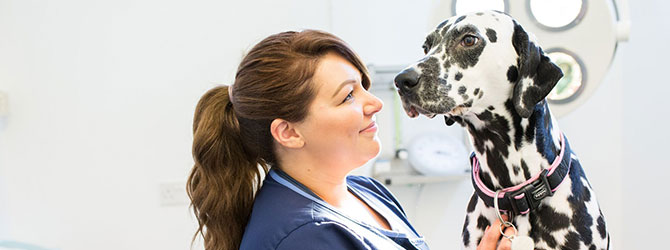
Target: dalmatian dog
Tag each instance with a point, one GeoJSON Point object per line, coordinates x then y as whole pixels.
{"type": "Point", "coordinates": [485, 72]}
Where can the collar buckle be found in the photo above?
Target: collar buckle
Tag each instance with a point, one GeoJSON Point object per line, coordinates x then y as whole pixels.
{"type": "Point", "coordinates": [531, 194]}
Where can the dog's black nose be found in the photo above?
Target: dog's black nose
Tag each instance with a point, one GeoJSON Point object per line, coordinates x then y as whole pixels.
{"type": "Point", "coordinates": [407, 79]}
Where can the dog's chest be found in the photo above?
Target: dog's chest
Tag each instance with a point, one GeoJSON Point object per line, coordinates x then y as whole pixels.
{"type": "Point", "coordinates": [570, 219]}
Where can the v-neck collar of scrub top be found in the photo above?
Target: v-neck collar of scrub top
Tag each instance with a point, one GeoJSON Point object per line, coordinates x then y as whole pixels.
{"type": "Point", "coordinates": [394, 221]}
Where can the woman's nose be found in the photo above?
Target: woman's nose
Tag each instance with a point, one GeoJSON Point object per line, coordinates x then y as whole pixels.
{"type": "Point", "coordinates": [372, 105]}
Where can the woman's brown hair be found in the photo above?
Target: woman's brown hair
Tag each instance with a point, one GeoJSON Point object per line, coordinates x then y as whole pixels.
{"type": "Point", "coordinates": [232, 144]}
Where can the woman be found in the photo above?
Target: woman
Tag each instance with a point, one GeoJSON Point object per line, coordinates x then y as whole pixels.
{"type": "Point", "coordinates": [298, 114]}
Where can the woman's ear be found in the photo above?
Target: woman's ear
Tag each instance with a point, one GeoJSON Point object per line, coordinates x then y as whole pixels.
{"type": "Point", "coordinates": [285, 134]}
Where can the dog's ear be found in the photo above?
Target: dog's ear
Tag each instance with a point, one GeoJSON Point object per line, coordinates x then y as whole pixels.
{"type": "Point", "coordinates": [536, 75]}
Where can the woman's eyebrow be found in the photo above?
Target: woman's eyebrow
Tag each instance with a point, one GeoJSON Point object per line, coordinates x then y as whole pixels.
{"type": "Point", "coordinates": [349, 81]}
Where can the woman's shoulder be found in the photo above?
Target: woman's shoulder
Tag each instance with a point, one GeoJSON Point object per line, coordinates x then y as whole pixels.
{"type": "Point", "coordinates": [282, 219]}
{"type": "Point", "coordinates": [325, 234]}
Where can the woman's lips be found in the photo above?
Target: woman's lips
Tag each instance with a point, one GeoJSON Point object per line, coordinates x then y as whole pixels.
{"type": "Point", "coordinates": [370, 128]}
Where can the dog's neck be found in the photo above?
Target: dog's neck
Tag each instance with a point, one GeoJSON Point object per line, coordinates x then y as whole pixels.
{"type": "Point", "coordinates": [512, 149]}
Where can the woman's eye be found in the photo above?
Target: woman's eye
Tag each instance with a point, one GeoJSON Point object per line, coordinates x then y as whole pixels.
{"type": "Point", "coordinates": [469, 41]}
{"type": "Point", "coordinates": [349, 96]}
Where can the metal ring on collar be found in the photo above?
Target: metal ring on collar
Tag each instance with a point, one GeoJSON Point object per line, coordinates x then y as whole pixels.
{"type": "Point", "coordinates": [503, 223]}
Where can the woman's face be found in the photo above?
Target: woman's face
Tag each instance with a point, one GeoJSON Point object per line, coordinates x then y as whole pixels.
{"type": "Point", "coordinates": [340, 128]}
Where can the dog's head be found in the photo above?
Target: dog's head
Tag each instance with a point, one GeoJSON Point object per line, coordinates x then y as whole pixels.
{"type": "Point", "coordinates": [474, 62]}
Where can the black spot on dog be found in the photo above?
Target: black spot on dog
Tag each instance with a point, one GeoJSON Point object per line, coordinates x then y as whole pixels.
{"type": "Point", "coordinates": [582, 222]}
{"type": "Point", "coordinates": [558, 220]}
{"type": "Point", "coordinates": [430, 71]}
{"type": "Point", "coordinates": [543, 138]}
{"type": "Point", "coordinates": [539, 233]}
{"type": "Point", "coordinates": [481, 94]}
{"type": "Point", "coordinates": [486, 179]}
{"type": "Point", "coordinates": [476, 91]}
{"type": "Point", "coordinates": [516, 169]}
{"type": "Point", "coordinates": [576, 172]}
{"type": "Point", "coordinates": [485, 116]}
{"type": "Point", "coordinates": [462, 89]}
{"type": "Point", "coordinates": [459, 120]}
{"type": "Point", "coordinates": [496, 162]}
{"type": "Point", "coordinates": [543, 229]}
{"type": "Point", "coordinates": [592, 247]}
{"type": "Point", "coordinates": [482, 222]}
{"type": "Point", "coordinates": [466, 233]}
{"type": "Point", "coordinates": [512, 74]}
{"type": "Point", "coordinates": [491, 108]}
{"type": "Point", "coordinates": [464, 56]}
{"type": "Point", "coordinates": [492, 35]}
{"type": "Point", "coordinates": [460, 18]}
{"type": "Point", "coordinates": [448, 121]}
{"type": "Point", "coordinates": [526, 171]}
{"type": "Point", "coordinates": [442, 24]}
{"type": "Point", "coordinates": [458, 76]}
{"type": "Point", "coordinates": [581, 219]}
{"type": "Point", "coordinates": [447, 64]}
{"type": "Point", "coordinates": [447, 87]}
{"type": "Point", "coordinates": [472, 204]}
{"type": "Point", "coordinates": [601, 226]}
{"type": "Point", "coordinates": [467, 104]}
{"type": "Point", "coordinates": [516, 121]}
{"type": "Point", "coordinates": [444, 30]}
{"type": "Point", "coordinates": [571, 241]}
{"type": "Point", "coordinates": [530, 129]}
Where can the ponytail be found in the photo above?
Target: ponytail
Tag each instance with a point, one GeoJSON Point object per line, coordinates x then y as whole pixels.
{"type": "Point", "coordinates": [231, 138]}
{"type": "Point", "coordinates": [224, 177]}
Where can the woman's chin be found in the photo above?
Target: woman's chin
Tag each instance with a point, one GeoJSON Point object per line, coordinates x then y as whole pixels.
{"type": "Point", "coordinates": [371, 153]}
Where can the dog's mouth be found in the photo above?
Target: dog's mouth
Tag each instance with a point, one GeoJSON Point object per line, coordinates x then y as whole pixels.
{"type": "Point", "coordinates": [414, 110]}
{"type": "Point", "coordinates": [414, 106]}
{"type": "Point", "coordinates": [459, 110]}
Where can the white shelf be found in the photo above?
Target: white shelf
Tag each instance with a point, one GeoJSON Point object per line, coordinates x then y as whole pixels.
{"type": "Point", "coordinates": [401, 173]}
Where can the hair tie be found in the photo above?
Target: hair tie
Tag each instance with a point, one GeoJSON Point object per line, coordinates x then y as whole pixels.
{"type": "Point", "coordinates": [230, 93]}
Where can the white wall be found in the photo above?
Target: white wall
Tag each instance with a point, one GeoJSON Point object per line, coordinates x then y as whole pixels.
{"type": "Point", "coordinates": [102, 96]}
{"type": "Point", "coordinates": [645, 119]}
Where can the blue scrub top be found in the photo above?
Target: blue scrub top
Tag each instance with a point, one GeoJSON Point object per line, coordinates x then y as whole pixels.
{"type": "Point", "coordinates": [287, 215]}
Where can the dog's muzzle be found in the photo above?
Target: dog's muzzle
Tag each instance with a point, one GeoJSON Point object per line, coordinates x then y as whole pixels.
{"type": "Point", "coordinates": [405, 81]}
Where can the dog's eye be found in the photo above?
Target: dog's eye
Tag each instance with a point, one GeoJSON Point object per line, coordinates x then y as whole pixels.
{"type": "Point", "coordinates": [425, 49]}
{"type": "Point", "coordinates": [469, 40]}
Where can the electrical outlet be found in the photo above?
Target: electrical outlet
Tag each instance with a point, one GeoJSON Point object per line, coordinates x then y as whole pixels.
{"type": "Point", "coordinates": [173, 194]}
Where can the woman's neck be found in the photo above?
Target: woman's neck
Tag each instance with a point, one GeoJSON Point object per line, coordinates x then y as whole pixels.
{"type": "Point", "coordinates": [330, 184]}
{"type": "Point", "coordinates": [330, 188]}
